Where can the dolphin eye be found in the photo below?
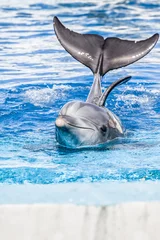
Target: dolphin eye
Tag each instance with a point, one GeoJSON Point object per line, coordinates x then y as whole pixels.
{"type": "Point", "coordinates": [103, 129]}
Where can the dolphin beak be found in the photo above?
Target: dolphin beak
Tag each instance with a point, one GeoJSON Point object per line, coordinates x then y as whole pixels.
{"type": "Point", "coordinates": [60, 122]}
{"type": "Point", "coordinates": [64, 121]}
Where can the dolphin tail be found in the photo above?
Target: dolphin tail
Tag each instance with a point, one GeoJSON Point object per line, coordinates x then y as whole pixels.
{"type": "Point", "coordinates": [99, 54]}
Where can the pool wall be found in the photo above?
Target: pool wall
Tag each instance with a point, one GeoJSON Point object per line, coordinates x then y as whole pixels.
{"type": "Point", "coordinates": [134, 221]}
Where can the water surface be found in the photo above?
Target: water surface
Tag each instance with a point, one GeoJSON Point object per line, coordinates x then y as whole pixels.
{"type": "Point", "coordinates": [38, 77]}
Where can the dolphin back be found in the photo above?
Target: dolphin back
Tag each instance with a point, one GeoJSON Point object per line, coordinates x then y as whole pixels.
{"type": "Point", "coordinates": [99, 54]}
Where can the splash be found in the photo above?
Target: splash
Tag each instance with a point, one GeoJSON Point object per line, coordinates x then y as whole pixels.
{"type": "Point", "coordinates": [46, 96]}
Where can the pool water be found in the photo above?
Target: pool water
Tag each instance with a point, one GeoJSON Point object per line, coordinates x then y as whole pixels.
{"type": "Point", "coordinates": [38, 77]}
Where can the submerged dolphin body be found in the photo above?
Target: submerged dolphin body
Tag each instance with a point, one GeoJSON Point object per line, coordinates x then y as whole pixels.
{"type": "Point", "coordinates": [89, 123]}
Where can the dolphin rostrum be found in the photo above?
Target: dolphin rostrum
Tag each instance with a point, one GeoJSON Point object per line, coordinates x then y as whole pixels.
{"type": "Point", "coordinates": [89, 123]}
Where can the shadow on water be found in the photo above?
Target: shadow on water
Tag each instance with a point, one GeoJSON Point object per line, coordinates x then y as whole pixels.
{"type": "Point", "coordinates": [128, 142]}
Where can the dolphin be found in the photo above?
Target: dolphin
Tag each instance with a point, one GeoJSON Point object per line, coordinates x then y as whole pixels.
{"type": "Point", "coordinates": [90, 123]}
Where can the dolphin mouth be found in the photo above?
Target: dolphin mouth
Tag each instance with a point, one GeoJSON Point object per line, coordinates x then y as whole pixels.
{"type": "Point", "coordinates": [64, 120]}
{"type": "Point", "coordinates": [76, 126]}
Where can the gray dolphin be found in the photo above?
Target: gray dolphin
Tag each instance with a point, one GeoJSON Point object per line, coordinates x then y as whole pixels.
{"type": "Point", "coordinates": [89, 123]}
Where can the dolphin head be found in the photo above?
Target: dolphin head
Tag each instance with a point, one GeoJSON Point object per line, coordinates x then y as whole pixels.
{"type": "Point", "coordinates": [82, 124]}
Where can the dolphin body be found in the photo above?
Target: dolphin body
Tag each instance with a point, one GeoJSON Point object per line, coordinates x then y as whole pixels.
{"type": "Point", "coordinates": [83, 124]}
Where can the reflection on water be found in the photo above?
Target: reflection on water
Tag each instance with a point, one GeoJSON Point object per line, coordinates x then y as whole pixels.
{"type": "Point", "coordinates": [38, 77]}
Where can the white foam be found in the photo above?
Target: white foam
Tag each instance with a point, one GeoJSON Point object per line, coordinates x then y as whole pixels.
{"type": "Point", "coordinates": [144, 90]}
{"type": "Point", "coordinates": [134, 99]}
{"type": "Point", "coordinates": [45, 96]}
{"type": "Point", "coordinates": [144, 95]}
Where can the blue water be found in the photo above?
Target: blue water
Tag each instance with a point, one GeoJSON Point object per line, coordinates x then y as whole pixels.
{"type": "Point", "coordinates": [37, 77]}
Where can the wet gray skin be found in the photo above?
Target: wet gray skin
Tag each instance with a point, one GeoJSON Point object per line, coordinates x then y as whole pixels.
{"type": "Point", "coordinates": [89, 123]}
{"type": "Point", "coordinates": [84, 124]}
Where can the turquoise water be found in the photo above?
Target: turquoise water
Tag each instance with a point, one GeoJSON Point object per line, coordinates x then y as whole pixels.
{"type": "Point", "coordinates": [37, 77]}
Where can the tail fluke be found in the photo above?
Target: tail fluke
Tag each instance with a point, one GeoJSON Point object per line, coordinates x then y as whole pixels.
{"type": "Point", "coordinates": [99, 54]}
{"type": "Point", "coordinates": [119, 53]}
{"type": "Point", "coordinates": [86, 48]}
{"type": "Point", "coordinates": [105, 94]}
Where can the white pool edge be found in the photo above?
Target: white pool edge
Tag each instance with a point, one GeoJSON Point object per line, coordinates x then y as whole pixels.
{"type": "Point", "coordinates": [133, 221]}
